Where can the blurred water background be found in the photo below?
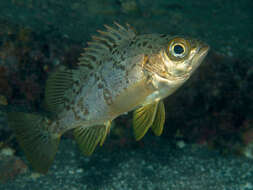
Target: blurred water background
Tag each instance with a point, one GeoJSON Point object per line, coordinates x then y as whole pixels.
{"type": "Point", "coordinates": [208, 137]}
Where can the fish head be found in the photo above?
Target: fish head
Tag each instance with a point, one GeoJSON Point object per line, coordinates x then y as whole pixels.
{"type": "Point", "coordinates": [173, 64]}
{"type": "Point", "coordinates": [182, 56]}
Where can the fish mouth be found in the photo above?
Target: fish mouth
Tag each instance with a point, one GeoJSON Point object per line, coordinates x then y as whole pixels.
{"type": "Point", "coordinates": [203, 51]}
{"type": "Point", "coordinates": [197, 60]}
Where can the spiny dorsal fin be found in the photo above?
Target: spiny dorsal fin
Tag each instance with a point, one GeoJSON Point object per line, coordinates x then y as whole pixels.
{"type": "Point", "coordinates": [103, 44]}
{"type": "Point", "coordinates": [157, 126]}
{"type": "Point", "coordinates": [88, 138]}
{"type": "Point", "coordinates": [56, 86]}
{"type": "Point", "coordinates": [143, 119]}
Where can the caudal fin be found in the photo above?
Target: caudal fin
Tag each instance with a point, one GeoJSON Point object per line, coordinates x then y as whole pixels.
{"type": "Point", "coordinates": [38, 143]}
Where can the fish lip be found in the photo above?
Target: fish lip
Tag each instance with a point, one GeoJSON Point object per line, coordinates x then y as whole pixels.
{"type": "Point", "coordinates": [204, 50]}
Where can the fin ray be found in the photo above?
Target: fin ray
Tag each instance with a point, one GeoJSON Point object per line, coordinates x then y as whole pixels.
{"type": "Point", "coordinates": [56, 86]}
{"type": "Point", "coordinates": [39, 145]}
{"type": "Point", "coordinates": [89, 138]}
{"type": "Point", "coordinates": [143, 119]}
{"type": "Point", "coordinates": [103, 43]}
{"type": "Point", "coordinates": [158, 124]}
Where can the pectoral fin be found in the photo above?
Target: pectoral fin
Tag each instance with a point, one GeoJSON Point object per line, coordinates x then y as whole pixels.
{"type": "Point", "coordinates": [88, 138]}
{"type": "Point", "coordinates": [157, 126]}
{"type": "Point", "coordinates": [143, 119]}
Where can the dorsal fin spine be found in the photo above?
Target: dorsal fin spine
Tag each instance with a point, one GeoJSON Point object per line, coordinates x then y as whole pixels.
{"type": "Point", "coordinates": [102, 45]}
{"type": "Point", "coordinates": [121, 27]}
{"type": "Point", "coordinates": [103, 39]}
{"type": "Point", "coordinates": [106, 33]}
{"type": "Point", "coordinates": [113, 31]}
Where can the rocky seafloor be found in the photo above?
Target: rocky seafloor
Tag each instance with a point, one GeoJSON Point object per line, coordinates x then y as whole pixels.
{"type": "Point", "coordinates": [158, 164]}
{"type": "Point", "coordinates": [208, 138]}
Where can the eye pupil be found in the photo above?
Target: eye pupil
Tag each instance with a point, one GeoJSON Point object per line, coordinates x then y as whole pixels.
{"type": "Point", "coordinates": [178, 49]}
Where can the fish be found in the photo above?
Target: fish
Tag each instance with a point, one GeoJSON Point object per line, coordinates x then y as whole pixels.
{"type": "Point", "coordinates": [118, 72]}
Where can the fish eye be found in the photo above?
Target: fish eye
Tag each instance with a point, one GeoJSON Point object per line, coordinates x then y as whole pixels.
{"type": "Point", "coordinates": [178, 49]}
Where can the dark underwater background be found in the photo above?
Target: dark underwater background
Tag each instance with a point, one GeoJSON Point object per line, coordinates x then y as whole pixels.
{"type": "Point", "coordinates": [207, 143]}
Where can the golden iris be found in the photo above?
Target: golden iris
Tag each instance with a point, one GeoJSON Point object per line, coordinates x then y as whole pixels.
{"type": "Point", "coordinates": [178, 48]}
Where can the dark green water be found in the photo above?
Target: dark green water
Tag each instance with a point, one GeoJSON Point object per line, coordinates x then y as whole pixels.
{"type": "Point", "coordinates": [212, 112]}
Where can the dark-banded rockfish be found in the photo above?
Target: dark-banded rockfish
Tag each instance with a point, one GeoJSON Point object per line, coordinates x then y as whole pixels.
{"type": "Point", "coordinates": [119, 71]}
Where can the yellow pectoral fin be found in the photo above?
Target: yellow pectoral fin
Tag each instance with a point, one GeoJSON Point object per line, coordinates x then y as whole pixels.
{"type": "Point", "coordinates": [143, 119]}
{"type": "Point", "coordinates": [106, 131]}
{"type": "Point", "coordinates": [88, 138]}
{"type": "Point", "coordinates": [157, 126]}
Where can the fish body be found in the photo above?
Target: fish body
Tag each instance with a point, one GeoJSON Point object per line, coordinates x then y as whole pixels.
{"type": "Point", "coordinates": [119, 72]}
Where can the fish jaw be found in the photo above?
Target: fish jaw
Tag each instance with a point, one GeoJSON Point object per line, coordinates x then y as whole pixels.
{"type": "Point", "coordinates": [203, 51]}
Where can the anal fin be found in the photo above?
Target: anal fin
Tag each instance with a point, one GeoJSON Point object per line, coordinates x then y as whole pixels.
{"type": "Point", "coordinates": [89, 138]}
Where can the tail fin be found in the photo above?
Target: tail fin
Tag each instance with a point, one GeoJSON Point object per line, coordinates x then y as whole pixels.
{"type": "Point", "coordinates": [38, 143]}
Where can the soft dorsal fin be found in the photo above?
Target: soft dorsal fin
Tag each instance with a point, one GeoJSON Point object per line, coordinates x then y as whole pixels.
{"type": "Point", "coordinates": [56, 86]}
{"type": "Point", "coordinates": [103, 44]}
